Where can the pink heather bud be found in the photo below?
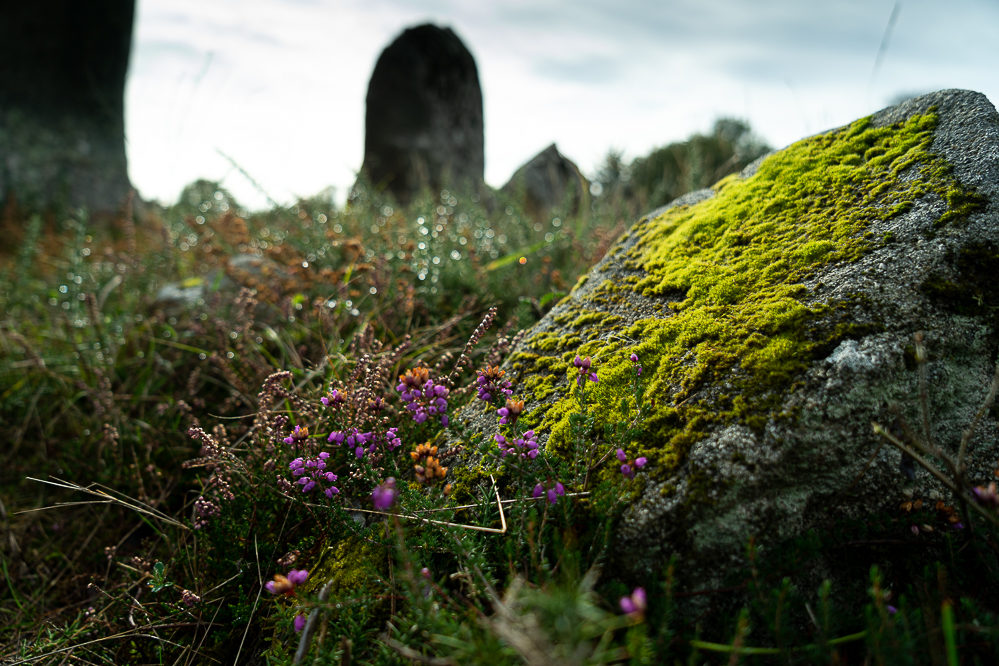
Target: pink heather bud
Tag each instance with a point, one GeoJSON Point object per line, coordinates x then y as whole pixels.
{"type": "Point", "coordinates": [634, 605]}
{"type": "Point", "coordinates": [640, 461]}
{"type": "Point", "coordinates": [621, 456]}
{"type": "Point", "coordinates": [299, 622]}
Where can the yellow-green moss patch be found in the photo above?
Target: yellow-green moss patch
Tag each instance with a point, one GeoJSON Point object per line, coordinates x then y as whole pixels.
{"type": "Point", "coordinates": [737, 325]}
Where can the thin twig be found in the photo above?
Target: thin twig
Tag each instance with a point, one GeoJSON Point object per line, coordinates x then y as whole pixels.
{"type": "Point", "coordinates": [940, 476]}
{"type": "Point", "coordinates": [979, 415]}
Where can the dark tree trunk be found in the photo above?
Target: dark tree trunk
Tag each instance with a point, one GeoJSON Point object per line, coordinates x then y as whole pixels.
{"type": "Point", "coordinates": [62, 83]}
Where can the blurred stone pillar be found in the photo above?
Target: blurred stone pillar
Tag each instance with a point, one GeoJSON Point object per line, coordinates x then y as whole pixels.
{"type": "Point", "coordinates": [423, 121]}
{"type": "Point", "coordinates": [62, 83]}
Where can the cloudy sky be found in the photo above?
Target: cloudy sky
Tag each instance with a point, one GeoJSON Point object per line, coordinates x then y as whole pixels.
{"type": "Point", "coordinates": [267, 96]}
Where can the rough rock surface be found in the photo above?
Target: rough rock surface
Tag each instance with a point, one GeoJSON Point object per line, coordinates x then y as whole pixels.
{"type": "Point", "coordinates": [774, 315]}
{"type": "Point", "coordinates": [549, 182]}
{"type": "Point", "coordinates": [62, 85]}
{"type": "Point", "coordinates": [423, 122]}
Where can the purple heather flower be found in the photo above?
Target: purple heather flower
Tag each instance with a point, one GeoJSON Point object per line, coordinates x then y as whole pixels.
{"type": "Point", "coordinates": [383, 496]}
{"type": "Point", "coordinates": [584, 365]}
{"type": "Point", "coordinates": [422, 396]}
{"type": "Point", "coordinates": [335, 398]}
{"type": "Point", "coordinates": [525, 446]}
{"type": "Point", "coordinates": [634, 359]}
{"type": "Point", "coordinates": [287, 584]}
{"type": "Point", "coordinates": [297, 435]}
{"type": "Point", "coordinates": [315, 467]}
{"type": "Point", "coordinates": [511, 411]}
{"type": "Point", "coordinates": [299, 622]}
{"type": "Point", "coordinates": [634, 605]}
{"type": "Point", "coordinates": [490, 383]}
{"type": "Point", "coordinates": [553, 492]}
{"type": "Point", "coordinates": [628, 467]}
{"type": "Point", "coordinates": [359, 442]}
{"type": "Point", "coordinates": [392, 441]}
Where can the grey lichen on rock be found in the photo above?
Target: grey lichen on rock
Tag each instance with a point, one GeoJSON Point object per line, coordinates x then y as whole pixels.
{"type": "Point", "coordinates": [774, 315]}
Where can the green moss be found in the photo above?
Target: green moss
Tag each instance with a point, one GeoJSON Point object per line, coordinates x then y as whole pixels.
{"type": "Point", "coordinates": [730, 271]}
{"type": "Point", "coordinates": [961, 203]}
{"type": "Point", "coordinates": [352, 564]}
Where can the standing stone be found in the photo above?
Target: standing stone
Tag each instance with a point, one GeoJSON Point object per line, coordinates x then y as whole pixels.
{"type": "Point", "coordinates": [62, 83]}
{"type": "Point", "coordinates": [423, 126]}
{"type": "Point", "coordinates": [549, 182]}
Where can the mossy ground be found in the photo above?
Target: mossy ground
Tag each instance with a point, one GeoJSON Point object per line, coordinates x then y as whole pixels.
{"type": "Point", "coordinates": [737, 323]}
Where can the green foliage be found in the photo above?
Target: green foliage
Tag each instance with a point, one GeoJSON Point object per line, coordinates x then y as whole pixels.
{"type": "Point", "coordinates": [673, 170]}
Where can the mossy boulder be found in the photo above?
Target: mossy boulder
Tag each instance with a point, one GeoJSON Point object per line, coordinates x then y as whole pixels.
{"type": "Point", "coordinates": [774, 316]}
